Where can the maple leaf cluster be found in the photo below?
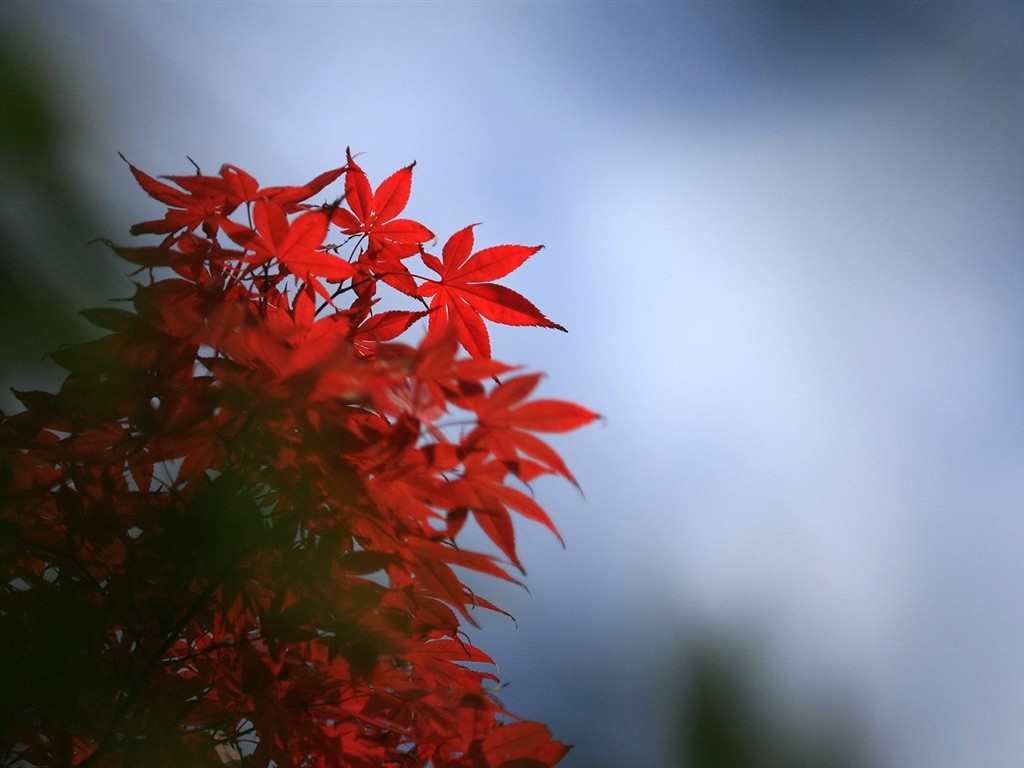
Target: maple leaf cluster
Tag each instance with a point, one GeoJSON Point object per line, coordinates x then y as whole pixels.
{"type": "Point", "coordinates": [230, 537]}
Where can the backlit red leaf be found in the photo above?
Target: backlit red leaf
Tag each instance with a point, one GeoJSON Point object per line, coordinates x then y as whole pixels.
{"type": "Point", "coordinates": [462, 294]}
{"type": "Point", "coordinates": [524, 740]}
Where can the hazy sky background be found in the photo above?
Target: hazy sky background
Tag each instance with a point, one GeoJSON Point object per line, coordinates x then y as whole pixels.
{"type": "Point", "coordinates": [788, 241]}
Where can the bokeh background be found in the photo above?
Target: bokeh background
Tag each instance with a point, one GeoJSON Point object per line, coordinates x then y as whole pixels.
{"type": "Point", "coordinates": [788, 241]}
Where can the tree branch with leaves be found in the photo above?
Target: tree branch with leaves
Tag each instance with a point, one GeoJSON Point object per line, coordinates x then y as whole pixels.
{"type": "Point", "coordinates": [232, 536]}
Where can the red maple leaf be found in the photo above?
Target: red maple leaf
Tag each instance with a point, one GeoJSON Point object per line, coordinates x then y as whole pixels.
{"type": "Point", "coordinates": [482, 491]}
{"type": "Point", "coordinates": [464, 294]}
{"type": "Point", "coordinates": [296, 244]}
{"type": "Point", "coordinates": [207, 200]}
{"type": "Point", "coordinates": [373, 214]}
{"type": "Point", "coordinates": [384, 326]}
{"type": "Point", "coordinates": [524, 743]}
{"type": "Point", "coordinates": [505, 424]}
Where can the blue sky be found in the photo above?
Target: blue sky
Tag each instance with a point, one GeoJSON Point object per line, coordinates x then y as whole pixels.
{"type": "Point", "coordinates": [787, 241]}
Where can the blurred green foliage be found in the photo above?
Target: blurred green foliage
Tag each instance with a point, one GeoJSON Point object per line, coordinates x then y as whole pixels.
{"type": "Point", "coordinates": [727, 718]}
{"type": "Point", "coordinates": [47, 269]}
